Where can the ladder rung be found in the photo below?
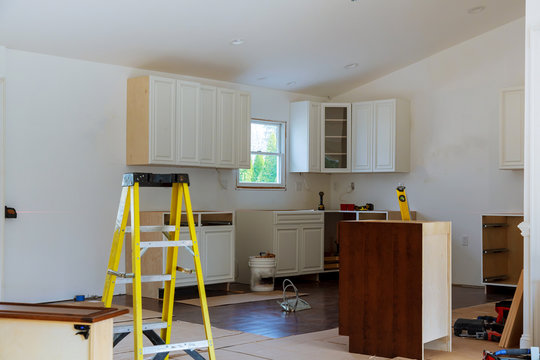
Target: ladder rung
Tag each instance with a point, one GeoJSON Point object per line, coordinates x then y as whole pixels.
{"type": "Point", "coordinates": [145, 278]}
{"type": "Point", "coordinates": [154, 244]}
{"type": "Point", "coordinates": [154, 228]}
{"type": "Point", "coordinates": [175, 347]}
{"type": "Point", "coordinates": [118, 329]}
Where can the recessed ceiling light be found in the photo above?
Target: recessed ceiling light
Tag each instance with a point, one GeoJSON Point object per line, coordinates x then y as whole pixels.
{"type": "Point", "coordinates": [262, 78]}
{"type": "Point", "coordinates": [351, 66]}
{"type": "Point", "coordinates": [291, 83]}
{"type": "Point", "coordinates": [476, 10]}
{"type": "Point", "coordinates": [237, 42]}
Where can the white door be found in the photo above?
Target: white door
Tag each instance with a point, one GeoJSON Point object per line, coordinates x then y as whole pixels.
{"type": "Point", "coordinates": [314, 137]}
{"type": "Point", "coordinates": [208, 125]}
{"type": "Point", "coordinates": [219, 246]}
{"type": "Point", "coordinates": [2, 182]}
{"type": "Point", "coordinates": [187, 122]}
{"type": "Point", "coordinates": [384, 135]}
{"type": "Point", "coordinates": [162, 120]}
{"type": "Point", "coordinates": [226, 132]}
{"type": "Point", "coordinates": [312, 249]}
{"type": "Point", "coordinates": [243, 122]}
{"type": "Point", "coordinates": [362, 134]}
{"type": "Point", "coordinates": [286, 249]}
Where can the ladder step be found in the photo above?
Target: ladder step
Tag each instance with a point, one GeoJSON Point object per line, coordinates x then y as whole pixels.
{"type": "Point", "coordinates": [154, 228]}
{"type": "Point", "coordinates": [175, 347]}
{"type": "Point", "coordinates": [154, 244]}
{"type": "Point", "coordinates": [145, 278]}
{"type": "Point", "coordinates": [118, 329]}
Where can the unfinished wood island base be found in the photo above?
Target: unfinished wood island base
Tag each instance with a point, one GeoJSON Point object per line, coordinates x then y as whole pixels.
{"type": "Point", "coordinates": [395, 287]}
{"type": "Point", "coordinates": [47, 332]}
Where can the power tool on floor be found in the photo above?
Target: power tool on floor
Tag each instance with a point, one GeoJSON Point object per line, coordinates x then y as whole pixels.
{"type": "Point", "coordinates": [508, 354]}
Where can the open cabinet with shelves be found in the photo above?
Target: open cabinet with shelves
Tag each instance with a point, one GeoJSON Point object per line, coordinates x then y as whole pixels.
{"type": "Point", "coordinates": [502, 249]}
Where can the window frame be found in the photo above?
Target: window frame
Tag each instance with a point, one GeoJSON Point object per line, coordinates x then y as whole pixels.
{"type": "Point", "coordinates": [282, 155]}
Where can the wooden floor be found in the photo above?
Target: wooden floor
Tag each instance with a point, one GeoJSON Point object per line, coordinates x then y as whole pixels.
{"type": "Point", "coordinates": [266, 318]}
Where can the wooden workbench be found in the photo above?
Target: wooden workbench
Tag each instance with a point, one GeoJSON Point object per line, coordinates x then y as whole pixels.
{"type": "Point", "coordinates": [395, 287]}
{"type": "Point", "coordinates": [47, 332]}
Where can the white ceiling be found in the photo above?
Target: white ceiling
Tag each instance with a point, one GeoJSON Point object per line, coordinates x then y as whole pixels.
{"type": "Point", "coordinates": [303, 41]}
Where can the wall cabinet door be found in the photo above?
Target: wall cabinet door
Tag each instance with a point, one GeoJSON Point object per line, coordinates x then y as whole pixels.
{"type": "Point", "coordinates": [384, 133]}
{"type": "Point", "coordinates": [305, 137]}
{"type": "Point", "coordinates": [226, 113]}
{"type": "Point", "coordinates": [312, 252]}
{"type": "Point", "coordinates": [187, 122]}
{"type": "Point", "coordinates": [243, 122]}
{"type": "Point", "coordinates": [511, 129]}
{"type": "Point", "coordinates": [162, 120]}
{"type": "Point", "coordinates": [286, 239]}
{"type": "Point", "coordinates": [208, 125]}
{"type": "Point", "coordinates": [362, 135]}
{"type": "Point", "coordinates": [335, 137]}
{"type": "Point", "coordinates": [219, 253]}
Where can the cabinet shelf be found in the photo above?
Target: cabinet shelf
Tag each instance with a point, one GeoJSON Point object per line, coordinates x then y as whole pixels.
{"type": "Point", "coordinates": [335, 153]}
{"type": "Point", "coordinates": [335, 137]}
{"type": "Point", "coordinates": [502, 249]}
{"type": "Point", "coordinates": [337, 120]}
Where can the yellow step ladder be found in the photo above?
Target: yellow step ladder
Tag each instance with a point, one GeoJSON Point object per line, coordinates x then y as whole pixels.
{"type": "Point", "coordinates": [129, 204]}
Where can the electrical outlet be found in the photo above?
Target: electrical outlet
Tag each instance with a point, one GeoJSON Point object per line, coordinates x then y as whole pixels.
{"type": "Point", "coordinates": [352, 186]}
{"type": "Point", "coordinates": [465, 240]}
{"type": "Point", "coordinates": [298, 186]}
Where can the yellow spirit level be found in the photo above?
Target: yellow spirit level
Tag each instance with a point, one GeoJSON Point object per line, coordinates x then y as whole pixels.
{"type": "Point", "coordinates": [403, 205]}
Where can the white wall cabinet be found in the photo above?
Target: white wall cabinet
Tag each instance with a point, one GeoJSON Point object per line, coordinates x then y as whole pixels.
{"type": "Point", "coordinates": [295, 237]}
{"type": "Point", "coordinates": [511, 129]}
{"type": "Point", "coordinates": [381, 136]}
{"type": "Point", "coordinates": [369, 136]}
{"type": "Point", "coordinates": [176, 122]}
{"type": "Point", "coordinates": [305, 137]}
{"type": "Point", "coordinates": [335, 137]}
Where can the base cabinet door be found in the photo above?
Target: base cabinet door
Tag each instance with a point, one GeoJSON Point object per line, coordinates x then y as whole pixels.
{"type": "Point", "coordinates": [312, 249]}
{"type": "Point", "coordinates": [286, 249]}
{"type": "Point", "coordinates": [219, 246]}
{"type": "Point", "coordinates": [185, 259]}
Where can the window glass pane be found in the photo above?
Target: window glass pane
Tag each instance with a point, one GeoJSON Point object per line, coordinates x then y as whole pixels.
{"type": "Point", "coordinates": [265, 169]}
{"type": "Point", "coordinates": [264, 137]}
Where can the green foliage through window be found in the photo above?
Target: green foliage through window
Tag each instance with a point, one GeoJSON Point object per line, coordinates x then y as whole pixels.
{"type": "Point", "coordinates": [265, 155]}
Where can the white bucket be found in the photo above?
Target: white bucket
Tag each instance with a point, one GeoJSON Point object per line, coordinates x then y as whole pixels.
{"type": "Point", "coordinates": [263, 271]}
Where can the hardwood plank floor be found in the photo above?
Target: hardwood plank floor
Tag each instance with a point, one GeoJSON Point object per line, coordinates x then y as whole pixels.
{"type": "Point", "coordinates": [266, 318]}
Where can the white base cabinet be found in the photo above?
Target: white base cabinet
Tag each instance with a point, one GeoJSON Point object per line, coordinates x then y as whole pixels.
{"type": "Point", "coordinates": [215, 235]}
{"type": "Point", "coordinates": [295, 237]}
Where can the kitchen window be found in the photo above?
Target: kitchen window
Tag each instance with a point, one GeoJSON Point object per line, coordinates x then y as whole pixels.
{"type": "Point", "coordinates": [267, 169]}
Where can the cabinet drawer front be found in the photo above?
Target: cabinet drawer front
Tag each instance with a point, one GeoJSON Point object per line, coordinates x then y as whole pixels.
{"type": "Point", "coordinates": [292, 217]}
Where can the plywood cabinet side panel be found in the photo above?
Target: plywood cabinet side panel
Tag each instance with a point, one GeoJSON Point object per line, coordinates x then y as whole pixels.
{"type": "Point", "coordinates": [254, 233]}
{"type": "Point", "coordinates": [152, 261]}
{"type": "Point", "coordinates": [436, 280]}
{"type": "Point", "coordinates": [403, 136]}
{"type": "Point", "coordinates": [515, 248]}
{"type": "Point", "coordinates": [137, 121]}
{"type": "Point", "coordinates": [101, 335]}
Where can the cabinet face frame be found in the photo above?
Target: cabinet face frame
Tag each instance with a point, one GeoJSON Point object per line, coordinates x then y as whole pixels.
{"type": "Point", "coordinates": [314, 137]}
{"type": "Point", "coordinates": [347, 122]}
{"type": "Point", "coordinates": [243, 118]}
{"type": "Point", "coordinates": [512, 120]}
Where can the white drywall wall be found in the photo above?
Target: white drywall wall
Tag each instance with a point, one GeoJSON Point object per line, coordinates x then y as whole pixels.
{"type": "Point", "coordinates": [454, 173]}
{"type": "Point", "coordinates": [65, 154]}
{"type": "Point", "coordinates": [2, 140]}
